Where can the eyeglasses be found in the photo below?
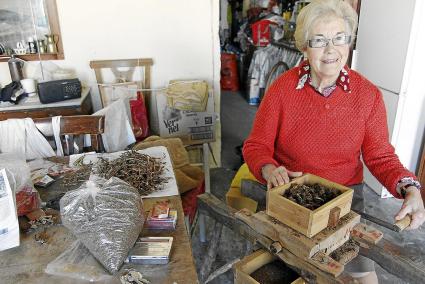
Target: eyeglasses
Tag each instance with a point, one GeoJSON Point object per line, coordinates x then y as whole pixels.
{"type": "Point", "coordinates": [321, 41]}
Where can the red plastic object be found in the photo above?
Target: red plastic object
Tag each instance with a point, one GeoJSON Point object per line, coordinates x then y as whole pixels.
{"type": "Point", "coordinates": [189, 201]}
{"type": "Point", "coordinates": [229, 72]}
{"type": "Point", "coordinates": [27, 200]}
{"type": "Point", "coordinates": [261, 32]}
{"type": "Point", "coordinates": [139, 117]}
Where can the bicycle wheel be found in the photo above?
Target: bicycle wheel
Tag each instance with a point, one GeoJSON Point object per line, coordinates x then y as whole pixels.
{"type": "Point", "coordinates": [276, 70]}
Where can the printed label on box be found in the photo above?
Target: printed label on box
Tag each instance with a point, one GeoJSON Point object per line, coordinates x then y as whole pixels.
{"type": "Point", "coordinates": [172, 122]}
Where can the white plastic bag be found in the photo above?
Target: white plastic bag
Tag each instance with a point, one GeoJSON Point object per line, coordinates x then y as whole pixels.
{"type": "Point", "coordinates": [9, 227]}
{"type": "Point", "coordinates": [106, 216]}
{"type": "Point", "coordinates": [118, 133]}
{"type": "Point", "coordinates": [21, 136]}
{"type": "Point", "coordinates": [18, 168]}
{"type": "Point", "coordinates": [77, 262]}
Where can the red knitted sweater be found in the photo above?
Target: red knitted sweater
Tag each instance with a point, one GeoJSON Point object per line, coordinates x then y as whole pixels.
{"type": "Point", "coordinates": [307, 132]}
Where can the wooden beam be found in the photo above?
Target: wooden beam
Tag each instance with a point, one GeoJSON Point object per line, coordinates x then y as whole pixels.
{"type": "Point", "coordinates": [326, 241]}
{"type": "Point", "coordinates": [211, 252]}
{"type": "Point", "coordinates": [366, 234]}
{"type": "Point", "coordinates": [121, 63]}
{"type": "Point", "coordinates": [326, 263]}
{"type": "Point", "coordinates": [406, 265]}
{"type": "Point", "coordinates": [421, 172]}
{"type": "Point", "coordinates": [217, 209]}
{"type": "Point", "coordinates": [52, 13]}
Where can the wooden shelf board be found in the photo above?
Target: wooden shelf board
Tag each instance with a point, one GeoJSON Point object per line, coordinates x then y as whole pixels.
{"type": "Point", "coordinates": [34, 57]}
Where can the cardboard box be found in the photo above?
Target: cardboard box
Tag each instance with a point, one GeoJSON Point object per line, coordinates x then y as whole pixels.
{"type": "Point", "coordinates": [191, 126]}
{"type": "Point", "coordinates": [302, 219]}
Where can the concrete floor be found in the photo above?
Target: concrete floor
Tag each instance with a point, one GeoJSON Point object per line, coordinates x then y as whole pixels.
{"type": "Point", "coordinates": [236, 121]}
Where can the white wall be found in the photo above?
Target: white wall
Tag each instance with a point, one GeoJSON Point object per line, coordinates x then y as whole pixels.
{"type": "Point", "coordinates": [180, 35]}
{"type": "Point", "coordinates": [390, 54]}
{"type": "Point", "coordinates": [409, 139]}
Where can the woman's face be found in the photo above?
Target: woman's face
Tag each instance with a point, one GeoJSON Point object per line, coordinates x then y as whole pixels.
{"type": "Point", "coordinates": [327, 62]}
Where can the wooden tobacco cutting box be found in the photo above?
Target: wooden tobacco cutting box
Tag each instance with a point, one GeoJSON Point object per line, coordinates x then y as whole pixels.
{"type": "Point", "coordinates": [306, 221]}
{"type": "Point", "coordinates": [251, 263]}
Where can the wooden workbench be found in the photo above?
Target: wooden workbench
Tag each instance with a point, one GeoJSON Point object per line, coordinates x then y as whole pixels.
{"type": "Point", "coordinates": [26, 263]}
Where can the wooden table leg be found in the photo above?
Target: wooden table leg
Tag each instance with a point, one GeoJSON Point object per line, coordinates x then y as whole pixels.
{"type": "Point", "coordinates": [206, 166]}
{"type": "Point", "coordinates": [211, 252]}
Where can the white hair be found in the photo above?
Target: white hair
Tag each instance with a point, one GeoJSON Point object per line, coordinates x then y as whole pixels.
{"type": "Point", "coordinates": [320, 9]}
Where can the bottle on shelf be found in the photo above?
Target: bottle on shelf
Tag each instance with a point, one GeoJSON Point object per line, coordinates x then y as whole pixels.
{"type": "Point", "coordinates": [32, 48]}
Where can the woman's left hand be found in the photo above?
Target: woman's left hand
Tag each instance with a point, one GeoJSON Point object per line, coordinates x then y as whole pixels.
{"type": "Point", "coordinates": [414, 206]}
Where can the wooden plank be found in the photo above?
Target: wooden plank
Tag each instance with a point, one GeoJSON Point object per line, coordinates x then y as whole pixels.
{"type": "Point", "coordinates": [82, 124]}
{"type": "Point", "coordinates": [334, 215]}
{"type": "Point", "coordinates": [52, 12]}
{"type": "Point", "coordinates": [78, 124]}
{"type": "Point", "coordinates": [214, 208]}
{"type": "Point", "coordinates": [421, 172]}
{"type": "Point", "coordinates": [299, 281]}
{"type": "Point", "coordinates": [277, 206]}
{"type": "Point", "coordinates": [211, 252]}
{"type": "Point", "coordinates": [304, 220]}
{"type": "Point", "coordinates": [326, 241]}
{"type": "Point", "coordinates": [75, 125]}
{"type": "Point", "coordinates": [326, 263]}
{"type": "Point", "coordinates": [403, 223]}
{"type": "Point", "coordinates": [364, 233]}
{"type": "Point", "coordinates": [402, 262]}
{"type": "Point", "coordinates": [97, 64]}
{"type": "Point", "coordinates": [34, 57]}
{"type": "Point", "coordinates": [249, 264]}
{"type": "Point", "coordinates": [345, 253]}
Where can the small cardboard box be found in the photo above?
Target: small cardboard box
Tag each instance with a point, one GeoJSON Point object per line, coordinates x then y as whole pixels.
{"type": "Point", "coordinates": [191, 126]}
{"type": "Point", "coordinates": [302, 219]}
{"type": "Point", "coordinates": [245, 267]}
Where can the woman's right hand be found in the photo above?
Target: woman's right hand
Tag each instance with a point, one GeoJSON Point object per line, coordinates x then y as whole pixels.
{"type": "Point", "coordinates": [276, 176]}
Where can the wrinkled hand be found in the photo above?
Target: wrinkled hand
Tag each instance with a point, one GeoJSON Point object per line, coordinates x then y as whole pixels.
{"type": "Point", "coordinates": [414, 206]}
{"type": "Point", "coordinates": [276, 176]}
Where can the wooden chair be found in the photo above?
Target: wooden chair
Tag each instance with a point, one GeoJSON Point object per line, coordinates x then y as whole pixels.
{"type": "Point", "coordinates": [75, 127]}
{"type": "Point", "coordinates": [137, 66]}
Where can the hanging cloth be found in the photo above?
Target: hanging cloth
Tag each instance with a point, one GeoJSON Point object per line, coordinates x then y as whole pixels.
{"type": "Point", "coordinates": [21, 137]}
{"type": "Point", "coordinates": [56, 124]}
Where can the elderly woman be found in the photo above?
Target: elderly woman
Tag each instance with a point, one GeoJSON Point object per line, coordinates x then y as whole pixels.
{"type": "Point", "coordinates": [321, 117]}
